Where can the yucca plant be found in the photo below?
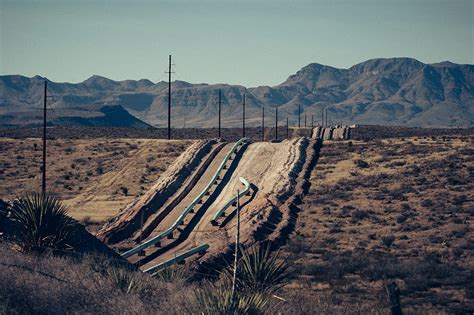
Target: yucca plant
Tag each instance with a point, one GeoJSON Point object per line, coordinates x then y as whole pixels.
{"type": "Point", "coordinates": [125, 280]}
{"type": "Point", "coordinates": [41, 221]}
{"type": "Point", "coordinates": [172, 274]}
{"type": "Point", "coordinates": [215, 299]}
{"type": "Point", "coordinates": [259, 270]}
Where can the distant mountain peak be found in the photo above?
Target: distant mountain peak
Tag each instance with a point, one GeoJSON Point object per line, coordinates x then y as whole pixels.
{"type": "Point", "coordinates": [96, 78]}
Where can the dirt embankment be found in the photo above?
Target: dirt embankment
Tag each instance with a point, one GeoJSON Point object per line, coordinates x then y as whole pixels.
{"type": "Point", "coordinates": [278, 173]}
{"type": "Point", "coordinates": [182, 196]}
{"type": "Point", "coordinates": [128, 220]}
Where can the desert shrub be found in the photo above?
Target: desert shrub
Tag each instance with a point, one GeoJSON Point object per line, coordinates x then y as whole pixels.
{"type": "Point", "coordinates": [297, 245]}
{"type": "Point", "coordinates": [124, 190]}
{"type": "Point", "coordinates": [361, 163]}
{"type": "Point", "coordinates": [402, 218]}
{"type": "Point", "coordinates": [388, 240]}
{"type": "Point", "coordinates": [99, 170]}
{"type": "Point", "coordinates": [459, 200]}
{"type": "Point", "coordinates": [435, 239]}
{"type": "Point", "coordinates": [359, 215]}
{"type": "Point", "coordinates": [427, 203]}
{"type": "Point", "coordinates": [405, 206]}
{"type": "Point", "coordinates": [41, 220]}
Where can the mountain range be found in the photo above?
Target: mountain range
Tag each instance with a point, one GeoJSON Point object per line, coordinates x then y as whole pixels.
{"type": "Point", "coordinates": [392, 91]}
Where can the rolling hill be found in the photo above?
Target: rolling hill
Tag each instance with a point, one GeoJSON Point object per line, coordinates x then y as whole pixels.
{"type": "Point", "coordinates": [394, 91]}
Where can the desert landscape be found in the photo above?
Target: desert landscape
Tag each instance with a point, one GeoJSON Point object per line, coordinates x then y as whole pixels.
{"type": "Point", "coordinates": [387, 204]}
{"type": "Point", "coordinates": [237, 157]}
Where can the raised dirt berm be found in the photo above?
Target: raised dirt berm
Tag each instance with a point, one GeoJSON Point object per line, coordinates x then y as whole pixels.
{"type": "Point", "coordinates": [180, 195]}
{"type": "Point", "coordinates": [272, 169]}
{"type": "Point", "coordinates": [125, 223]}
{"type": "Point", "coordinates": [331, 133]}
{"type": "Point", "coordinates": [327, 133]}
{"type": "Point", "coordinates": [165, 240]}
{"type": "Point", "coordinates": [316, 132]}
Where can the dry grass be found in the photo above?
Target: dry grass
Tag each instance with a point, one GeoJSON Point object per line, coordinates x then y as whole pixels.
{"type": "Point", "coordinates": [96, 178]}
{"type": "Point", "coordinates": [53, 285]}
{"type": "Point", "coordinates": [392, 209]}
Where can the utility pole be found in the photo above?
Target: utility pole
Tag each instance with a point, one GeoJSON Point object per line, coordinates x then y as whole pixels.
{"type": "Point", "coordinates": [305, 120]}
{"type": "Point", "coordinates": [299, 116]}
{"type": "Point", "coordinates": [326, 116]}
{"type": "Point", "coordinates": [276, 123]}
{"type": "Point", "coordinates": [322, 117]}
{"type": "Point", "coordinates": [169, 98]}
{"type": "Point", "coordinates": [243, 117]}
{"type": "Point", "coordinates": [43, 186]}
{"type": "Point", "coordinates": [219, 113]}
{"type": "Point", "coordinates": [263, 123]}
{"type": "Point", "coordinates": [312, 121]}
{"type": "Point", "coordinates": [237, 241]}
{"type": "Point", "coordinates": [287, 128]}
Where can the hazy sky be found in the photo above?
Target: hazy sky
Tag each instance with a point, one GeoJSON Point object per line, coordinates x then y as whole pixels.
{"type": "Point", "coordinates": [248, 42]}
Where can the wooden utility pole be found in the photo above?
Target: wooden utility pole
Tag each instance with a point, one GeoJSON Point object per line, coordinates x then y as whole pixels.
{"type": "Point", "coordinates": [263, 123]}
{"type": "Point", "coordinates": [243, 117]}
{"type": "Point", "coordinates": [237, 241]}
{"type": "Point", "coordinates": [219, 113]}
{"type": "Point", "coordinates": [299, 116]}
{"type": "Point", "coordinates": [169, 98]}
{"type": "Point", "coordinates": [326, 116]}
{"type": "Point", "coordinates": [276, 123]}
{"type": "Point", "coordinates": [45, 100]}
{"type": "Point", "coordinates": [312, 121]}
{"type": "Point", "coordinates": [305, 120]}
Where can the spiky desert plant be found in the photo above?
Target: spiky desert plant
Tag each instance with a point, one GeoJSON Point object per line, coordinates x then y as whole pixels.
{"type": "Point", "coordinates": [217, 299]}
{"type": "Point", "coordinates": [260, 270]}
{"type": "Point", "coordinates": [172, 274]}
{"type": "Point", "coordinates": [124, 280]}
{"type": "Point", "coordinates": [41, 220]}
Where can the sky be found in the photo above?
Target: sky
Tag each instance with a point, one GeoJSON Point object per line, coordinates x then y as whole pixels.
{"type": "Point", "coordinates": [245, 42]}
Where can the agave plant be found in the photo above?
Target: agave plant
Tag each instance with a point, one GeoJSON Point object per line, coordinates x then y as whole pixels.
{"type": "Point", "coordinates": [41, 220]}
{"type": "Point", "coordinates": [260, 270]}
